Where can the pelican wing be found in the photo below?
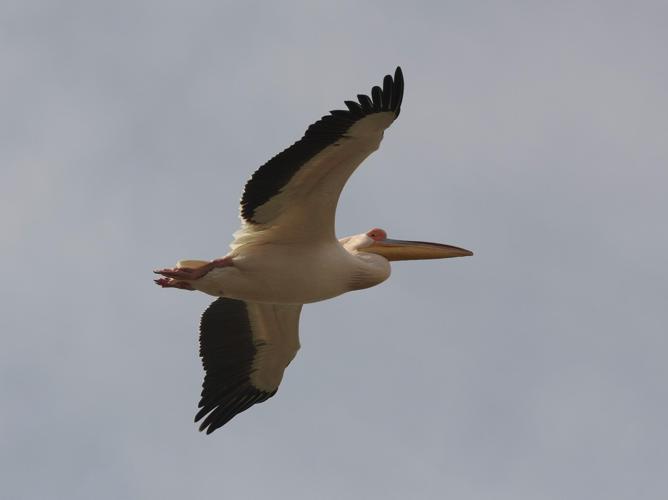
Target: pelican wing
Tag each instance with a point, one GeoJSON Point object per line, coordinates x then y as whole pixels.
{"type": "Point", "coordinates": [245, 348]}
{"type": "Point", "coordinates": [298, 189]}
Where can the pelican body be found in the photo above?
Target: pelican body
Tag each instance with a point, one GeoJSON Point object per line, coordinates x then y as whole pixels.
{"type": "Point", "coordinates": [286, 254]}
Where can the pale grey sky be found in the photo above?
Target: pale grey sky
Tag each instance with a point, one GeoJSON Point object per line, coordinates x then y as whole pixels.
{"type": "Point", "coordinates": [534, 133]}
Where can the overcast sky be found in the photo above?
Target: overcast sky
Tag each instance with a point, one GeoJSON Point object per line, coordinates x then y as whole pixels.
{"type": "Point", "coordinates": [533, 133]}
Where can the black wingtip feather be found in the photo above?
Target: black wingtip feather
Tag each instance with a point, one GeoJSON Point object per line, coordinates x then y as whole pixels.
{"type": "Point", "coordinates": [387, 92]}
{"type": "Point", "coordinates": [377, 97]}
{"type": "Point", "coordinates": [398, 93]}
{"type": "Point", "coordinates": [365, 102]}
{"type": "Point", "coordinates": [343, 115]}
{"type": "Point", "coordinates": [354, 108]}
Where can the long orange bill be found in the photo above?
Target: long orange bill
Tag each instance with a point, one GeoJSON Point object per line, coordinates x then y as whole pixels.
{"type": "Point", "coordinates": [414, 250]}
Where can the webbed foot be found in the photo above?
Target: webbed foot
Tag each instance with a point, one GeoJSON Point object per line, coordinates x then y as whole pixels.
{"type": "Point", "coordinates": [172, 283]}
{"type": "Point", "coordinates": [174, 274]}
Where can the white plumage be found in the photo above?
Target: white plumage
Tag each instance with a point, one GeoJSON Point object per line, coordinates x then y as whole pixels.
{"type": "Point", "coordinates": [286, 254]}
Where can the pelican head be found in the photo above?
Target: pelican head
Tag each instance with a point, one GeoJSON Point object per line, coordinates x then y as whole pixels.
{"type": "Point", "coordinates": [376, 241]}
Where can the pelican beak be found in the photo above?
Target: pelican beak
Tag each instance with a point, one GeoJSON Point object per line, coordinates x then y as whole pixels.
{"type": "Point", "coordinates": [414, 250]}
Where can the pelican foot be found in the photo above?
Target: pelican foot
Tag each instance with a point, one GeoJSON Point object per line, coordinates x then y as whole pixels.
{"type": "Point", "coordinates": [172, 283]}
{"type": "Point", "coordinates": [194, 273]}
{"type": "Point", "coordinates": [184, 273]}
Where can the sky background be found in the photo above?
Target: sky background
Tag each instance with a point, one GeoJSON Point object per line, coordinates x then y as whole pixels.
{"type": "Point", "coordinates": [533, 133]}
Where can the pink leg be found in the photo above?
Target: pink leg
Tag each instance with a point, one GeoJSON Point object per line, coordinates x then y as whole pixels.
{"type": "Point", "coordinates": [187, 273]}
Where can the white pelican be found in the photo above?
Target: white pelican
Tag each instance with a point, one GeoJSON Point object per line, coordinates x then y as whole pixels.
{"type": "Point", "coordinates": [286, 254]}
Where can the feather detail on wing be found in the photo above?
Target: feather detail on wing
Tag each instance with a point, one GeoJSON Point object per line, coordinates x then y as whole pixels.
{"type": "Point", "coordinates": [245, 348]}
{"type": "Point", "coordinates": [298, 189]}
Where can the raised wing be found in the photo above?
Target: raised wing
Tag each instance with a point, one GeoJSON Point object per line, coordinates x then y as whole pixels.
{"type": "Point", "coordinates": [298, 189]}
{"type": "Point", "coordinates": [245, 348]}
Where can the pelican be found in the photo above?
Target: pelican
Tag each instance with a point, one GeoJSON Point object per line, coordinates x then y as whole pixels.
{"type": "Point", "coordinates": [286, 254]}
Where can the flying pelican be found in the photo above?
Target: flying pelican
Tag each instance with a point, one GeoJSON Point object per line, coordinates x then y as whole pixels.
{"type": "Point", "coordinates": [286, 254]}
